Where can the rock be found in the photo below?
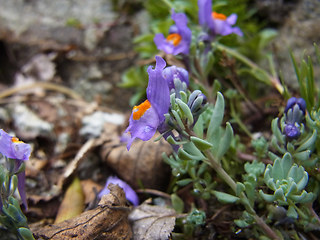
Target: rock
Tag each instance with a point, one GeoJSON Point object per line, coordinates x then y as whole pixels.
{"type": "Point", "coordinates": [28, 124]}
{"type": "Point", "coordinates": [298, 33]}
{"type": "Point", "coordinates": [93, 124]}
{"type": "Point", "coordinates": [53, 22]}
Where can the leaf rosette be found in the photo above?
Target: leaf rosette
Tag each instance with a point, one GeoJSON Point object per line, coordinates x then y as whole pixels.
{"type": "Point", "coordinates": [288, 181]}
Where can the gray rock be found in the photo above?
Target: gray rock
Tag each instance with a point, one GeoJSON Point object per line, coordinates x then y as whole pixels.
{"type": "Point", "coordinates": [93, 124]}
{"type": "Point", "coordinates": [28, 123]}
{"type": "Point", "coordinates": [49, 21]}
{"type": "Point", "coordinates": [299, 32]}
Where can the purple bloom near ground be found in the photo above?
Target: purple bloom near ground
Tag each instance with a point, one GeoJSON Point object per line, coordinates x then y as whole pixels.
{"type": "Point", "coordinates": [179, 38]}
{"type": "Point", "coordinates": [217, 23]}
{"type": "Point", "coordinates": [149, 115]}
{"type": "Point", "coordinates": [130, 193]}
{"type": "Point", "coordinates": [13, 148]}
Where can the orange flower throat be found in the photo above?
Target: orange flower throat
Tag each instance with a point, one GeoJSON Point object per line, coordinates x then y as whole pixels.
{"type": "Point", "coordinates": [175, 38]}
{"type": "Point", "coordinates": [138, 111]}
{"type": "Point", "coordinates": [219, 16]}
{"type": "Point", "coordinates": [15, 140]}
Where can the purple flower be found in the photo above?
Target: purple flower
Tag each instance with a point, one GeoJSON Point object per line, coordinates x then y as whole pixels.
{"type": "Point", "coordinates": [217, 23]}
{"type": "Point", "coordinates": [179, 38]}
{"type": "Point", "coordinates": [130, 193]}
{"type": "Point", "coordinates": [294, 113]}
{"type": "Point", "coordinates": [300, 102]}
{"type": "Point", "coordinates": [291, 131]}
{"type": "Point", "coordinates": [149, 115]}
{"type": "Point", "coordinates": [173, 72]}
{"type": "Point", "coordinates": [13, 148]}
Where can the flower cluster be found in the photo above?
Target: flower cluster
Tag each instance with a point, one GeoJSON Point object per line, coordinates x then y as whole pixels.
{"type": "Point", "coordinates": [179, 38]}
{"type": "Point", "coordinates": [294, 113]}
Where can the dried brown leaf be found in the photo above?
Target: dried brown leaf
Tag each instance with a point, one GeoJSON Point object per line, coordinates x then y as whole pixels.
{"type": "Point", "coordinates": [73, 202]}
{"type": "Point", "coordinates": [107, 221]}
{"type": "Point", "coordinates": [142, 164]}
{"type": "Point", "coordinates": [90, 190]}
{"type": "Point", "coordinates": [152, 222]}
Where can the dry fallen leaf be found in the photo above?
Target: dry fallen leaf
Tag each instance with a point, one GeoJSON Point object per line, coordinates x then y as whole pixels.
{"type": "Point", "coordinates": [152, 222]}
{"type": "Point", "coordinates": [108, 221]}
{"type": "Point", "coordinates": [142, 164]}
{"type": "Point", "coordinates": [72, 204]}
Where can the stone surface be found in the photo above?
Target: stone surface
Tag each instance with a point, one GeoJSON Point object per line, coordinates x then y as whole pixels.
{"type": "Point", "coordinates": [93, 46]}
{"type": "Point", "coordinates": [300, 30]}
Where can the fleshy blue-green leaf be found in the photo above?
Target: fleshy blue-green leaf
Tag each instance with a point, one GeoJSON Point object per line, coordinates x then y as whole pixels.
{"type": "Point", "coordinates": [225, 197]}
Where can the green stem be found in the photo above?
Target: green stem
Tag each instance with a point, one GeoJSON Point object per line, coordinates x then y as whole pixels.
{"type": "Point", "coordinates": [235, 116]}
{"type": "Point", "coordinates": [244, 200]}
{"type": "Point", "coordinates": [168, 3]}
{"type": "Point", "coordinates": [274, 81]}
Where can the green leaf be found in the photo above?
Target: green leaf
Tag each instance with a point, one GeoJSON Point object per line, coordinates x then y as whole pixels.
{"type": "Point", "coordinates": [302, 156]}
{"type": "Point", "coordinates": [178, 119]}
{"type": "Point", "coordinates": [198, 127]}
{"type": "Point", "coordinates": [240, 188]}
{"type": "Point", "coordinates": [25, 233]}
{"type": "Point", "coordinates": [225, 141]}
{"type": "Point", "coordinates": [209, 63]}
{"type": "Point", "coordinates": [309, 144]}
{"type": "Point", "coordinates": [276, 131]}
{"type": "Point", "coordinates": [255, 168]}
{"type": "Point", "coordinates": [184, 182]}
{"type": "Point", "coordinates": [15, 214]}
{"type": "Point", "coordinates": [14, 183]}
{"type": "Point", "coordinates": [292, 212]}
{"type": "Point", "coordinates": [304, 180]}
{"type": "Point", "coordinates": [286, 164]}
{"type": "Point", "coordinates": [241, 223]}
{"type": "Point", "coordinates": [200, 143]}
{"type": "Point", "coordinates": [216, 120]}
{"type": "Point", "coordinates": [177, 203]}
{"type": "Point", "coordinates": [277, 172]}
{"type": "Point", "coordinates": [279, 194]}
{"type": "Point", "coordinates": [186, 110]}
{"type": "Point", "coordinates": [225, 197]}
{"type": "Point", "coordinates": [267, 197]}
{"type": "Point", "coordinates": [183, 155]}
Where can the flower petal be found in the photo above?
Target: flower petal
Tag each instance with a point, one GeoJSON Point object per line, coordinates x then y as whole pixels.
{"type": "Point", "coordinates": [144, 127]}
{"type": "Point", "coordinates": [11, 147]}
{"type": "Point", "coordinates": [158, 91]}
{"type": "Point", "coordinates": [205, 11]}
{"type": "Point", "coordinates": [232, 19]}
{"type": "Point", "coordinates": [130, 193]}
{"type": "Point", "coordinates": [21, 185]}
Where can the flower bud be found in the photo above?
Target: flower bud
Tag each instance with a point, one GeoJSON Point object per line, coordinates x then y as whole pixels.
{"type": "Point", "coordinates": [291, 131]}
{"type": "Point", "coordinates": [172, 73]}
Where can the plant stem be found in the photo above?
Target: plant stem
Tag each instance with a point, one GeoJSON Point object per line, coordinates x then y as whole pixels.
{"type": "Point", "coordinates": [271, 80]}
{"type": "Point", "coordinates": [244, 200]}
{"type": "Point", "coordinates": [168, 3]}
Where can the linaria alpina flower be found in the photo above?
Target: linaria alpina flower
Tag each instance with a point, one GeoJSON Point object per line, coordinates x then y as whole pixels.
{"type": "Point", "coordinates": [149, 115]}
{"type": "Point", "coordinates": [217, 23]}
{"type": "Point", "coordinates": [13, 148]}
{"type": "Point", "coordinates": [130, 193]}
{"type": "Point", "coordinates": [294, 112]}
{"type": "Point", "coordinates": [179, 38]}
